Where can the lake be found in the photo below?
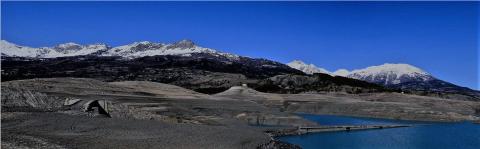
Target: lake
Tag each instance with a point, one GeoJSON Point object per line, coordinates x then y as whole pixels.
{"type": "Point", "coordinates": [424, 135]}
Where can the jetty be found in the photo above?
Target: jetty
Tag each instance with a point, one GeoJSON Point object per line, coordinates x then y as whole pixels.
{"type": "Point", "coordinates": [301, 130]}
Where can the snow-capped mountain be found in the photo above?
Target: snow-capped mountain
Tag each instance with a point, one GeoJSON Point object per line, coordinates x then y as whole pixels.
{"type": "Point", "coordinates": [148, 60]}
{"type": "Point", "coordinates": [396, 76]}
{"type": "Point", "coordinates": [182, 63]}
{"type": "Point", "coordinates": [134, 50]}
{"type": "Point", "coordinates": [306, 68]}
{"type": "Point", "coordinates": [386, 74]}
{"type": "Point", "coordinates": [10, 49]}
{"type": "Point", "coordinates": [175, 60]}
{"type": "Point", "coordinates": [73, 49]}
{"type": "Point", "coordinates": [390, 74]}
{"type": "Point", "coordinates": [61, 50]}
{"type": "Point", "coordinates": [146, 48]}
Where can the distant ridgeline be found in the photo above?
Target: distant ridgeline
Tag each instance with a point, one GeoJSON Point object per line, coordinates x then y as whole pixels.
{"type": "Point", "coordinates": [183, 64]}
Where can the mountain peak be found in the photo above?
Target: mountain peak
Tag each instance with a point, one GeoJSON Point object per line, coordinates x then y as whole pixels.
{"type": "Point", "coordinates": [68, 44]}
{"type": "Point", "coordinates": [390, 74]}
{"type": "Point", "coordinates": [298, 62]}
{"type": "Point", "coordinates": [183, 44]}
{"type": "Point", "coordinates": [11, 49]}
{"type": "Point", "coordinates": [307, 68]}
{"type": "Point", "coordinates": [68, 47]}
{"type": "Point", "coordinates": [142, 42]}
{"type": "Point", "coordinates": [341, 72]}
{"type": "Point", "coordinates": [97, 45]}
{"type": "Point", "coordinates": [5, 43]}
{"type": "Point", "coordinates": [186, 41]}
{"type": "Point", "coordinates": [399, 69]}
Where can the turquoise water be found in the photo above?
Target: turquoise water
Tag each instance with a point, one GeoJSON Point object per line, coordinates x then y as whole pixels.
{"type": "Point", "coordinates": [423, 135]}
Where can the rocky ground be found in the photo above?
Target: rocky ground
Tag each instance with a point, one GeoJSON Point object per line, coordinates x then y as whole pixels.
{"type": "Point", "coordinates": [60, 113]}
{"type": "Point", "coordinates": [56, 130]}
{"type": "Point", "coordinates": [143, 115]}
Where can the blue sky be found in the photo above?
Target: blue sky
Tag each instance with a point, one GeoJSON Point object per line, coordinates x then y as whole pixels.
{"type": "Point", "coordinates": [439, 37]}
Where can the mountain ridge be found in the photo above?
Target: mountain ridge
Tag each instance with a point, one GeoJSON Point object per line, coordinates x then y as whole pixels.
{"type": "Point", "coordinates": [133, 50]}
{"type": "Point", "coordinates": [404, 77]}
{"type": "Point", "coordinates": [207, 70]}
{"type": "Point", "coordinates": [181, 63]}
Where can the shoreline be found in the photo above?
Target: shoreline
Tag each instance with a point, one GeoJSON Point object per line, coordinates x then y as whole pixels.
{"type": "Point", "coordinates": [428, 119]}
{"type": "Point", "coordinates": [393, 118]}
{"type": "Point", "coordinates": [278, 144]}
{"type": "Point", "coordinates": [331, 128]}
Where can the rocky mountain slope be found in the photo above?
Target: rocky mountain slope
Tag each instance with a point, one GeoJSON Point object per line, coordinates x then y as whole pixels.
{"type": "Point", "coordinates": [201, 72]}
{"type": "Point", "coordinates": [316, 83]}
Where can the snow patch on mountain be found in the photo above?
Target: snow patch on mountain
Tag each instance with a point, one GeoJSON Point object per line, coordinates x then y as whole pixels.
{"type": "Point", "coordinates": [306, 68]}
{"type": "Point", "coordinates": [341, 72]}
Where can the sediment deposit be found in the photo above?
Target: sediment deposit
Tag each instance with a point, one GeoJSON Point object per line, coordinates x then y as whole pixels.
{"type": "Point", "coordinates": [87, 113]}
